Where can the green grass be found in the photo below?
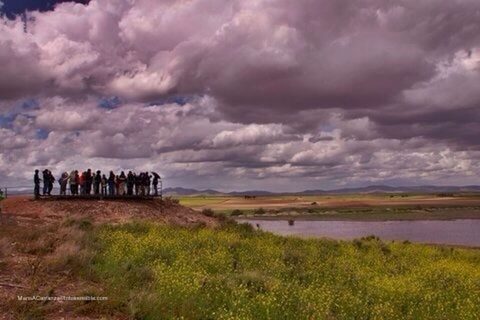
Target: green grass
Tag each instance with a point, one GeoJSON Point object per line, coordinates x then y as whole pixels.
{"type": "Point", "coordinates": [376, 206]}
{"type": "Point", "coordinates": [198, 201]}
{"type": "Point", "coordinates": [154, 271]}
{"type": "Point", "coordinates": [316, 212]}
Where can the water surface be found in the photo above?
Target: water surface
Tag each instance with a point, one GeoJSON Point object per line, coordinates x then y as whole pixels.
{"type": "Point", "coordinates": [455, 232]}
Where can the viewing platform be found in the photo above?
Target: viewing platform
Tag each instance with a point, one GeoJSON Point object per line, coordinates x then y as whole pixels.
{"type": "Point", "coordinates": [98, 197]}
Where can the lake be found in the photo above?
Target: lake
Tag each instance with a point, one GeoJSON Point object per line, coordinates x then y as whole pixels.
{"type": "Point", "coordinates": [455, 232]}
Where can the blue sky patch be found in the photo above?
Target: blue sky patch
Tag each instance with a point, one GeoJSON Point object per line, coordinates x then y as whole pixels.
{"type": "Point", "coordinates": [175, 99]}
{"type": "Point", "coordinates": [109, 103]}
{"type": "Point", "coordinates": [12, 8]}
{"type": "Point", "coordinates": [42, 134]}
{"type": "Point", "coordinates": [6, 120]}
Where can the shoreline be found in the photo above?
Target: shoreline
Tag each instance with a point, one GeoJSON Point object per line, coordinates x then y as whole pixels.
{"type": "Point", "coordinates": [369, 217]}
{"type": "Point", "coordinates": [306, 234]}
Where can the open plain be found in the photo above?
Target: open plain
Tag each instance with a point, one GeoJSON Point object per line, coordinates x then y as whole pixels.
{"type": "Point", "coordinates": [348, 207]}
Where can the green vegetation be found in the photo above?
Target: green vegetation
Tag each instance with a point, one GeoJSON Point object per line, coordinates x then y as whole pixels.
{"type": "Point", "coordinates": [153, 271]}
{"type": "Point", "coordinates": [368, 213]}
{"type": "Point", "coordinates": [199, 201]}
{"type": "Point", "coordinates": [208, 212]}
{"type": "Point", "coordinates": [315, 212]}
{"type": "Point", "coordinates": [343, 207]}
{"type": "Point", "coordinates": [212, 200]}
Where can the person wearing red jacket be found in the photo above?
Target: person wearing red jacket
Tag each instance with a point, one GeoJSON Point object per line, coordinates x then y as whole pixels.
{"type": "Point", "coordinates": [82, 182]}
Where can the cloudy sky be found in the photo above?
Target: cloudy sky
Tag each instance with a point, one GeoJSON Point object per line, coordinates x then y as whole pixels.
{"type": "Point", "coordinates": [243, 94]}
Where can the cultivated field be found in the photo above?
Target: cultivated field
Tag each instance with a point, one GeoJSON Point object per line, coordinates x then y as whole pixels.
{"type": "Point", "coordinates": [356, 206]}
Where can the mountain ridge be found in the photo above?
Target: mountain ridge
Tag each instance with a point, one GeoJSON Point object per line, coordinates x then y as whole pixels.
{"type": "Point", "coordinates": [366, 190]}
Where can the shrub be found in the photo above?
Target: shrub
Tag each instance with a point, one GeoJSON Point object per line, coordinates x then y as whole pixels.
{"type": "Point", "coordinates": [208, 212]}
{"type": "Point", "coordinates": [171, 201]}
{"type": "Point", "coordinates": [358, 243]}
{"type": "Point", "coordinates": [237, 212]}
{"type": "Point", "coordinates": [371, 237]}
{"type": "Point", "coordinates": [66, 257]}
{"type": "Point", "coordinates": [82, 223]}
{"type": "Point", "coordinates": [385, 249]}
{"type": "Point", "coordinates": [244, 228]}
{"type": "Point", "coordinates": [259, 211]}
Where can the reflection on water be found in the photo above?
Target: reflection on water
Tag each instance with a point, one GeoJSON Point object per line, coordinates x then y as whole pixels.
{"type": "Point", "coordinates": [457, 232]}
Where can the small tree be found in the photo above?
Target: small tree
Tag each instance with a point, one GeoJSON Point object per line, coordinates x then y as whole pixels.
{"type": "Point", "coordinates": [259, 211]}
{"type": "Point", "coordinates": [208, 212]}
{"type": "Point", "coordinates": [237, 212]}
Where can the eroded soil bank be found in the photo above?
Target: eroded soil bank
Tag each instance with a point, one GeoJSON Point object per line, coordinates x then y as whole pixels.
{"type": "Point", "coordinates": [43, 251]}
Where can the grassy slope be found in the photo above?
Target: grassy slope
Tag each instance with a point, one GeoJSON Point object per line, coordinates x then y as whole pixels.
{"type": "Point", "coordinates": [154, 271]}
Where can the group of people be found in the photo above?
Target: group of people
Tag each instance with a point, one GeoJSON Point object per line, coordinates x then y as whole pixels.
{"type": "Point", "coordinates": [89, 182]}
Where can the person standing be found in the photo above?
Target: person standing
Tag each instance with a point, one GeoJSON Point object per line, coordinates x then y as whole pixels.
{"type": "Point", "coordinates": [121, 183]}
{"type": "Point", "coordinates": [117, 186]}
{"type": "Point", "coordinates": [141, 179]}
{"type": "Point", "coordinates": [97, 182]}
{"type": "Point", "coordinates": [36, 181]}
{"type": "Point", "coordinates": [51, 180]}
{"type": "Point", "coordinates": [136, 181]}
{"type": "Point", "coordinates": [130, 183]}
{"type": "Point", "coordinates": [111, 184]}
{"type": "Point", "coordinates": [71, 180]}
{"type": "Point", "coordinates": [45, 181]}
{"type": "Point", "coordinates": [104, 185]}
{"type": "Point", "coordinates": [88, 181]}
{"type": "Point", "coordinates": [93, 183]}
{"type": "Point", "coordinates": [148, 181]}
{"type": "Point", "coordinates": [63, 181]}
{"type": "Point", "coordinates": [77, 181]}
{"type": "Point", "coordinates": [155, 184]}
{"type": "Point", "coordinates": [82, 182]}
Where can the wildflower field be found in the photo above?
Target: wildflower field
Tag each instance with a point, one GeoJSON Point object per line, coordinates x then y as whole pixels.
{"type": "Point", "coordinates": [153, 271]}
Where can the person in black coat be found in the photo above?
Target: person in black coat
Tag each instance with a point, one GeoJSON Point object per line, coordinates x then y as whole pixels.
{"type": "Point", "coordinates": [148, 181]}
{"type": "Point", "coordinates": [36, 181]}
{"type": "Point", "coordinates": [155, 181]}
{"type": "Point", "coordinates": [46, 177]}
{"type": "Point", "coordinates": [97, 182]}
{"type": "Point", "coordinates": [51, 180]}
{"type": "Point", "coordinates": [136, 181]}
{"type": "Point", "coordinates": [130, 183]}
{"type": "Point", "coordinates": [88, 181]}
{"type": "Point", "coordinates": [111, 184]}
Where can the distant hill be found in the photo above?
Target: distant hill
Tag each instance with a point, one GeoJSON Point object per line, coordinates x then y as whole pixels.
{"type": "Point", "coordinates": [361, 190]}
{"type": "Point", "coordinates": [190, 192]}
{"type": "Point", "coordinates": [390, 189]}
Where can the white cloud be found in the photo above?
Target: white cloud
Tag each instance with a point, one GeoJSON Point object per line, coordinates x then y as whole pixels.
{"type": "Point", "coordinates": [281, 89]}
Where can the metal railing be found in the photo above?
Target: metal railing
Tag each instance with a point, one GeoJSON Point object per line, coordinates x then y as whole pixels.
{"type": "Point", "coordinates": [7, 191]}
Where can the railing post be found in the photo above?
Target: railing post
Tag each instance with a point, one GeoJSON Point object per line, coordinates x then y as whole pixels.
{"type": "Point", "coordinates": [6, 192]}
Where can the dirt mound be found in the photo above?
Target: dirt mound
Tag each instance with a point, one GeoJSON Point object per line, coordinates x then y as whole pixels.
{"type": "Point", "coordinates": [25, 210]}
